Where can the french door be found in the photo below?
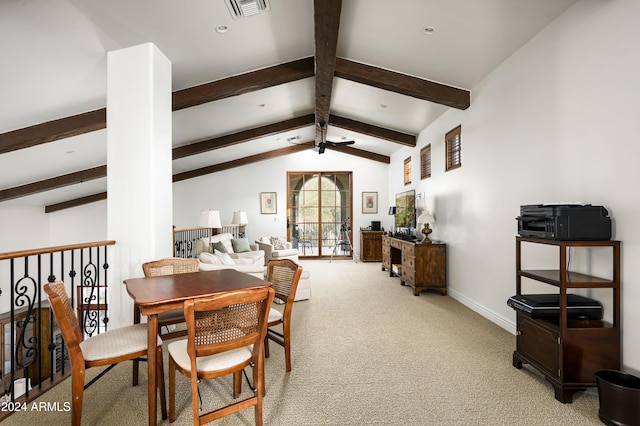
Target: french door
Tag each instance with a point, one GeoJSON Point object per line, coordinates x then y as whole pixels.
{"type": "Point", "coordinates": [319, 211]}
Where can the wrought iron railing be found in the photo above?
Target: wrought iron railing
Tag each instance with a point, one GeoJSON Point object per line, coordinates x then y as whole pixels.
{"type": "Point", "coordinates": [184, 240]}
{"type": "Point", "coordinates": [32, 355]}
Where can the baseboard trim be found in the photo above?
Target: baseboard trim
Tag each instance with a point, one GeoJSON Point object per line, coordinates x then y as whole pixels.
{"type": "Point", "coordinates": [499, 320]}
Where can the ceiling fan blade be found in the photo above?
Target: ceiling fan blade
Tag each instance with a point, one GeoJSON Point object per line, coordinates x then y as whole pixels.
{"type": "Point", "coordinates": [330, 143]}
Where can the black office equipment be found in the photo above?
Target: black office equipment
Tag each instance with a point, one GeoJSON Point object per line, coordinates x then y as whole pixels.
{"type": "Point", "coordinates": [564, 222]}
{"type": "Point", "coordinates": [541, 306]}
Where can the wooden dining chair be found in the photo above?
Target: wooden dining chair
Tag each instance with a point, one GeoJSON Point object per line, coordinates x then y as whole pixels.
{"type": "Point", "coordinates": [284, 275]}
{"type": "Point", "coordinates": [104, 349]}
{"type": "Point", "coordinates": [167, 266]}
{"type": "Point", "coordinates": [225, 334]}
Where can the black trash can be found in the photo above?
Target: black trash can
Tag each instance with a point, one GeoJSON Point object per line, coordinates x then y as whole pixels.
{"type": "Point", "coordinates": [619, 395]}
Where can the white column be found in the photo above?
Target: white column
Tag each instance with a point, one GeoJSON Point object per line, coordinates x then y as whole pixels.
{"type": "Point", "coordinates": [139, 178]}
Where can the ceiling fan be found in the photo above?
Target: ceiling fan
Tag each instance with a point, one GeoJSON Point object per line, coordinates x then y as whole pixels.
{"type": "Point", "coordinates": [322, 145]}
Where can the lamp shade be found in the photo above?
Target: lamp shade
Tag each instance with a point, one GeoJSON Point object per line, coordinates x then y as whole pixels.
{"type": "Point", "coordinates": [426, 217]}
{"type": "Point", "coordinates": [240, 218]}
{"type": "Point", "coordinates": [209, 219]}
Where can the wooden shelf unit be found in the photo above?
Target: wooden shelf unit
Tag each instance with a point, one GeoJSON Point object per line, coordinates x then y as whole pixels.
{"type": "Point", "coordinates": [568, 351]}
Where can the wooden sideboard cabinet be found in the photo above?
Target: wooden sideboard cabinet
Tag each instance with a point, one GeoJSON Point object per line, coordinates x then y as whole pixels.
{"type": "Point", "coordinates": [370, 246]}
{"type": "Point", "coordinates": [424, 266]}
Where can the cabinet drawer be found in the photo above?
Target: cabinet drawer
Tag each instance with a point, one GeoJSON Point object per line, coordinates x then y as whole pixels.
{"type": "Point", "coordinates": [408, 275]}
{"type": "Point", "coordinates": [408, 261]}
{"type": "Point", "coordinates": [396, 243]}
{"type": "Point", "coordinates": [409, 248]}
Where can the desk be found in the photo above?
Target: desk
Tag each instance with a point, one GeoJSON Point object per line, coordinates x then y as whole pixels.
{"type": "Point", "coordinates": [154, 295]}
{"type": "Point", "coordinates": [424, 266]}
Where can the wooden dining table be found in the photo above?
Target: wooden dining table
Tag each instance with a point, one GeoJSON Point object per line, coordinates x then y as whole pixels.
{"type": "Point", "coordinates": [154, 295]}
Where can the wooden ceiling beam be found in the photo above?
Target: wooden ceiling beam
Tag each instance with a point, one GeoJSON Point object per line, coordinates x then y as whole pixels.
{"type": "Point", "coordinates": [53, 183]}
{"type": "Point", "coordinates": [374, 131]}
{"type": "Point", "coordinates": [96, 120]}
{"type": "Point", "coordinates": [53, 130]}
{"type": "Point", "coordinates": [98, 171]}
{"type": "Point", "coordinates": [403, 84]}
{"type": "Point", "coordinates": [326, 25]}
{"type": "Point", "coordinates": [243, 83]}
{"type": "Point", "coordinates": [75, 202]}
{"type": "Point", "coordinates": [244, 136]}
{"type": "Point", "coordinates": [361, 153]}
{"type": "Point", "coordinates": [242, 161]}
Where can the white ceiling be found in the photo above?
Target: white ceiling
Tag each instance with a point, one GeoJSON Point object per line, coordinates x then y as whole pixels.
{"type": "Point", "coordinates": [53, 55]}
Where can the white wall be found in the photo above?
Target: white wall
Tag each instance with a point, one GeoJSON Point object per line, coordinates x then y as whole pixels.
{"type": "Point", "coordinates": [556, 122]}
{"type": "Point", "coordinates": [240, 188]}
{"type": "Point", "coordinates": [82, 224]}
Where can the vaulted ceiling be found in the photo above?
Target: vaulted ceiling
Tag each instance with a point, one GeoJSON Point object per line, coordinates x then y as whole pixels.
{"type": "Point", "coordinates": [246, 88]}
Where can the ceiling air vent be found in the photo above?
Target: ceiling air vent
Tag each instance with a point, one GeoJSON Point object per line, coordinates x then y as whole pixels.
{"type": "Point", "coordinates": [244, 8]}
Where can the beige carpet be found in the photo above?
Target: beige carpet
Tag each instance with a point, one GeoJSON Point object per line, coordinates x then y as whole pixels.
{"type": "Point", "coordinates": [365, 351]}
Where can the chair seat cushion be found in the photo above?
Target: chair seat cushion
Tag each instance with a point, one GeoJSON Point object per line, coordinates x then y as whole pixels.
{"type": "Point", "coordinates": [274, 315]}
{"type": "Point", "coordinates": [223, 360]}
{"type": "Point", "coordinates": [115, 343]}
{"type": "Point", "coordinates": [277, 254]}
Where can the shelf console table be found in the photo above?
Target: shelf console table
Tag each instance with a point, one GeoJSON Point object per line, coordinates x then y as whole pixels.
{"type": "Point", "coordinates": [424, 266]}
{"type": "Point", "coordinates": [568, 351]}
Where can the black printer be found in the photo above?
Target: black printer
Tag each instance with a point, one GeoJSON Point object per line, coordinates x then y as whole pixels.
{"type": "Point", "coordinates": [564, 222]}
{"type": "Point", "coordinates": [548, 306]}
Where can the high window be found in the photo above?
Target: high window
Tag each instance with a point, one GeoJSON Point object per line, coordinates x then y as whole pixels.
{"type": "Point", "coordinates": [407, 171]}
{"type": "Point", "coordinates": [425, 162]}
{"type": "Point", "coordinates": [454, 148]}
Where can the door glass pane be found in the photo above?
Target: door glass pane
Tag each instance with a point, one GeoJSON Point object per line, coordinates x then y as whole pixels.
{"type": "Point", "coordinates": [318, 203]}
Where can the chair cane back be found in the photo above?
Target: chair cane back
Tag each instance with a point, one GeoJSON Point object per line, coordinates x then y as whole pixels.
{"type": "Point", "coordinates": [225, 335]}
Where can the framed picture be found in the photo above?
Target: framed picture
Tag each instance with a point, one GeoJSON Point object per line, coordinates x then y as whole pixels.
{"type": "Point", "coordinates": [268, 203]}
{"type": "Point", "coordinates": [369, 202]}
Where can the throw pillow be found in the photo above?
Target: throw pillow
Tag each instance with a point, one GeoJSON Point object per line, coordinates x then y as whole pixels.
{"type": "Point", "coordinates": [277, 243]}
{"type": "Point", "coordinates": [209, 258]}
{"type": "Point", "coordinates": [218, 246]}
{"type": "Point", "coordinates": [240, 245]}
{"type": "Point", "coordinates": [224, 258]}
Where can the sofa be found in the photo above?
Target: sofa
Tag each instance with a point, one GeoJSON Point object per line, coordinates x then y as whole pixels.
{"type": "Point", "coordinates": [251, 262]}
{"type": "Point", "coordinates": [238, 249]}
{"type": "Point", "coordinates": [277, 248]}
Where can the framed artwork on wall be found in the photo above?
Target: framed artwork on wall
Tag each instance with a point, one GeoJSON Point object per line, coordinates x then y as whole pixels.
{"type": "Point", "coordinates": [268, 203]}
{"type": "Point", "coordinates": [369, 202]}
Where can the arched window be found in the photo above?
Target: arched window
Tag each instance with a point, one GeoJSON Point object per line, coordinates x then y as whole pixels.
{"type": "Point", "coordinates": [319, 208]}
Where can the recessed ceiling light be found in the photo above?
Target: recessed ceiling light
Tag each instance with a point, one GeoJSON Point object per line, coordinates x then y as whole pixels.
{"type": "Point", "coordinates": [222, 29]}
{"type": "Point", "coordinates": [262, 105]}
{"type": "Point", "coordinates": [69, 152]}
{"type": "Point", "coordinates": [383, 106]}
{"type": "Point", "coordinates": [428, 30]}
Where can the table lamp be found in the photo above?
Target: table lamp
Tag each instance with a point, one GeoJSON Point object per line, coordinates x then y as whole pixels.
{"type": "Point", "coordinates": [426, 218]}
{"type": "Point", "coordinates": [392, 211]}
{"type": "Point", "coordinates": [210, 219]}
{"type": "Point", "coordinates": [240, 219]}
